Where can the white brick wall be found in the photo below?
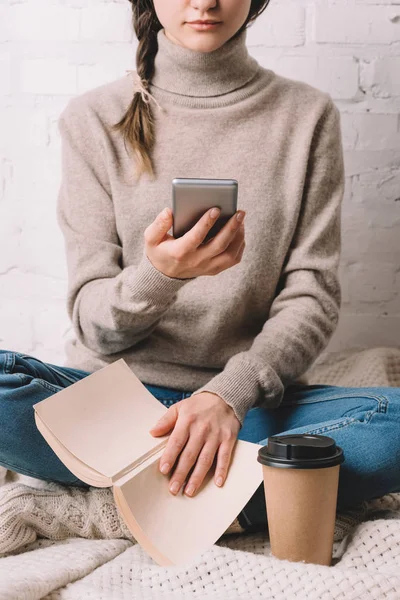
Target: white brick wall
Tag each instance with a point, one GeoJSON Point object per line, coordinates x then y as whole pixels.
{"type": "Point", "coordinates": [51, 50]}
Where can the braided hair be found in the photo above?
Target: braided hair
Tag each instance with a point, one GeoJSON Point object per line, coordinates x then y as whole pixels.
{"type": "Point", "coordinates": [137, 124]}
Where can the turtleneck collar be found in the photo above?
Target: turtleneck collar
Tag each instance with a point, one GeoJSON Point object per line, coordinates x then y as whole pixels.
{"type": "Point", "coordinates": [203, 74]}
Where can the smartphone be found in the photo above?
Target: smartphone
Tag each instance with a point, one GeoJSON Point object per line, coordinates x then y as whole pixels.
{"type": "Point", "coordinates": [192, 197]}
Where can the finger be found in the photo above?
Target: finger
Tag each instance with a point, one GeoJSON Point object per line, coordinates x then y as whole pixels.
{"type": "Point", "coordinates": [156, 231]}
{"type": "Point", "coordinates": [237, 243]}
{"type": "Point", "coordinates": [186, 461]}
{"type": "Point", "coordinates": [239, 253]}
{"type": "Point", "coordinates": [217, 263]}
{"type": "Point", "coordinates": [203, 465]}
{"type": "Point", "coordinates": [195, 236]}
{"type": "Point", "coordinates": [174, 446]}
{"type": "Point", "coordinates": [166, 422]}
{"type": "Point", "coordinates": [225, 237]}
{"type": "Point", "coordinates": [239, 235]}
{"type": "Point", "coordinates": [223, 461]}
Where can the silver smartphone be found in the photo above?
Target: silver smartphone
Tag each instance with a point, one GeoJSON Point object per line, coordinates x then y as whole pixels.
{"type": "Point", "coordinates": [192, 197]}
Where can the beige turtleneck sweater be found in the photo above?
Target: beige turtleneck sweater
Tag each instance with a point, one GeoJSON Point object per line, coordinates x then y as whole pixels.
{"type": "Point", "coordinates": [249, 331]}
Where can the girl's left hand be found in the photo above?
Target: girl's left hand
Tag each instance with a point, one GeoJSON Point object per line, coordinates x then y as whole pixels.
{"type": "Point", "coordinates": [203, 425]}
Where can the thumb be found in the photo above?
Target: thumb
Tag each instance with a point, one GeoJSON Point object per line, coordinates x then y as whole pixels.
{"type": "Point", "coordinates": [157, 230]}
{"type": "Point", "coordinates": [166, 422]}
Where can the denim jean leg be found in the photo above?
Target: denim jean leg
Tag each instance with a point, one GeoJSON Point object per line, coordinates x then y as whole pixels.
{"type": "Point", "coordinates": [363, 421]}
{"type": "Point", "coordinates": [165, 395]}
{"type": "Point", "coordinates": [24, 381]}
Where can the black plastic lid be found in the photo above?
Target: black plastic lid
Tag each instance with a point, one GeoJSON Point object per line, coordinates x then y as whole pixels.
{"type": "Point", "coordinates": [300, 451]}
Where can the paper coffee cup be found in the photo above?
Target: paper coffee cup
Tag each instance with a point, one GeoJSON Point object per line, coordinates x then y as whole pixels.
{"type": "Point", "coordinates": [301, 478]}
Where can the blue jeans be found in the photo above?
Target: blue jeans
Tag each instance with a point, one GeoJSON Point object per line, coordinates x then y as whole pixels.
{"type": "Point", "coordinates": [365, 422]}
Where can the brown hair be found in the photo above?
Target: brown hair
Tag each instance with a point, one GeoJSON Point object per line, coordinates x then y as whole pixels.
{"type": "Point", "coordinates": [137, 123]}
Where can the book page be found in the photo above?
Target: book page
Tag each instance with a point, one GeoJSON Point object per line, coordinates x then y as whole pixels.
{"type": "Point", "coordinates": [174, 530]}
{"type": "Point", "coordinates": [104, 418]}
{"type": "Point", "coordinates": [76, 466]}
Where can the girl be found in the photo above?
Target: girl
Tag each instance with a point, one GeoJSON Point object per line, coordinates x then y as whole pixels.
{"type": "Point", "coordinates": [219, 332]}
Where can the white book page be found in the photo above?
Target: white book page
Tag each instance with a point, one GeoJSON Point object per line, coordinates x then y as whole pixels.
{"type": "Point", "coordinates": [175, 530]}
{"type": "Point", "coordinates": [104, 419]}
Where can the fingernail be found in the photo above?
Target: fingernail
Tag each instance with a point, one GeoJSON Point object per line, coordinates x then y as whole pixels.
{"type": "Point", "coordinates": [174, 487]}
{"type": "Point", "coordinates": [164, 468]}
{"type": "Point", "coordinates": [220, 481]}
{"type": "Point", "coordinates": [215, 212]}
{"type": "Point", "coordinates": [190, 490]}
{"type": "Point", "coordinates": [240, 216]}
{"type": "Point", "coordinates": [165, 212]}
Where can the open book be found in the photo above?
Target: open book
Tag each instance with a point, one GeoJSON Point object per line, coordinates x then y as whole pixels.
{"type": "Point", "coordinates": [99, 428]}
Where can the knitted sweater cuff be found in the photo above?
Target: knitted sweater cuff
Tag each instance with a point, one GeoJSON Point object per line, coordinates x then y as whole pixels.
{"type": "Point", "coordinates": [242, 385]}
{"type": "Point", "coordinates": [151, 285]}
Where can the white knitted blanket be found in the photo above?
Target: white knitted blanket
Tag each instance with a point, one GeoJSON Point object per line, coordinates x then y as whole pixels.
{"type": "Point", "coordinates": [62, 543]}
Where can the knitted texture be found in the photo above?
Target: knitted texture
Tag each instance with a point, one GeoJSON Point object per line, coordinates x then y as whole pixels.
{"type": "Point", "coordinates": [224, 116]}
{"type": "Point", "coordinates": [57, 513]}
{"type": "Point", "coordinates": [366, 552]}
{"type": "Point", "coordinates": [369, 368]}
{"type": "Point", "coordinates": [365, 567]}
{"type": "Point", "coordinates": [61, 512]}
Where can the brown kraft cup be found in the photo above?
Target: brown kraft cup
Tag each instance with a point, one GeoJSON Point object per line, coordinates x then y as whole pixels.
{"type": "Point", "coordinates": [301, 478]}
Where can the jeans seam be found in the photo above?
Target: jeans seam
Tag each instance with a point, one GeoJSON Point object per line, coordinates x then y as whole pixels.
{"type": "Point", "coordinates": [344, 423]}
{"type": "Point", "coordinates": [381, 401]}
{"type": "Point", "coordinates": [49, 386]}
{"type": "Point", "coordinates": [383, 404]}
{"type": "Point", "coordinates": [9, 364]}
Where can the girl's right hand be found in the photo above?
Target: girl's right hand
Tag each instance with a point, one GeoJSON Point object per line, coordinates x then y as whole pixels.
{"type": "Point", "coordinates": [185, 257]}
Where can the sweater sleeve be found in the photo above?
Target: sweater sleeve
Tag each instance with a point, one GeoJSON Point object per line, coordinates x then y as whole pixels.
{"type": "Point", "coordinates": [111, 308]}
{"type": "Point", "coordinates": [305, 310]}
